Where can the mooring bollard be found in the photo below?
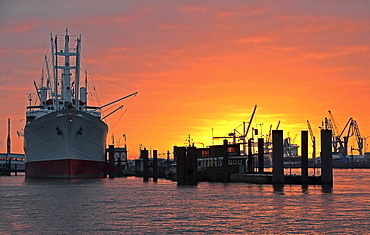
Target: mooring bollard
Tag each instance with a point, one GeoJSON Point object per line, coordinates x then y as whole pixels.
{"type": "Point", "coordinates": [277, 159]}
{"type": "Point", "coordinates": [304, 158]}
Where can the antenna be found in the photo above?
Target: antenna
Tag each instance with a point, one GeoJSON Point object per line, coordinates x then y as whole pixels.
{"type": "Point", "coordinates": [30, 97]}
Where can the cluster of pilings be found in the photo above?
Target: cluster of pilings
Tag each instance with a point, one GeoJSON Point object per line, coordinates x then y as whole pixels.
{"type": "Point", "coordinates": [260, 158]}
{"type": "Point", "coordinates": [153, 167]}
{"type": "Point", "coordinates": [187, 165]}
{"type": "Point", "coordinates": [145, 156]}
{"type": "Point", "coordinates": [117, 160]}
{"type": "Point", "coordinates": [278, 179]}
{"type": "Point", "coordinates": [187, 159]}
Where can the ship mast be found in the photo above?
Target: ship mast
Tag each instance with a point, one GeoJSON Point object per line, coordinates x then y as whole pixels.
{"type": "Point", "coordinates": [68, 86]}
{"type": "Point", "coordinates": [55, 93]}
{"type": "Point", "coordinates": [66, 76]}
{"type": "Point", "coordinates": [77, 78]}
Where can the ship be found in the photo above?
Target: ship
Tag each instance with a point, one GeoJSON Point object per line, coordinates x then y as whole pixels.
{"type": "Point", "coordinates": [63, 136]}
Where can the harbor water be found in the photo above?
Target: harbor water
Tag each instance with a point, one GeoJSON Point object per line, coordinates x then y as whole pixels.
{"type": "Point", "coordinates": [130, 206]}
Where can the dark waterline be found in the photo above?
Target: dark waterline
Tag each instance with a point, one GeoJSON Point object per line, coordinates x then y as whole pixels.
{"type": "Point", "coordinates": [129, 206]}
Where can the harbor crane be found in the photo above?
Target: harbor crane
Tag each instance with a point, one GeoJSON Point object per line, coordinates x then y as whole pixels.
{"type": "Point", "coordinates": [339, 141]}
{"type": "Point", "coordinates": [313, 139]}
{"type": "Point", "coordinates": [353, 129]}
{"type": "Point", "coordinates": [335, 129]}
{"type": "Point", "coordinates": [242, 136]}
{"type": "Point", "coordinates": [336, 138]}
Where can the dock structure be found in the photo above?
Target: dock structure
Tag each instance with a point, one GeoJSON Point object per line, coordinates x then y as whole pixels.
{"type": "Point", "coordinates": [6, 168]}
{"type": "Point", "coordinates": [150, 168]}
{"type": "Point", "coordinates": [116, 157]}
{"type": "Point", "coordinates": [225, 163]}
{"type": "Point", "coordinates": [11, 162]}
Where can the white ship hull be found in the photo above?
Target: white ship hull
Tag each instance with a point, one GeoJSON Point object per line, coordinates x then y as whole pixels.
{"type": "Point", "coordinates": [65, 144]}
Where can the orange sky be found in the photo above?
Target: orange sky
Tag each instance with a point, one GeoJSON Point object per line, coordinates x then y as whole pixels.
{"type": "Point", "coordinates": [197, 65]}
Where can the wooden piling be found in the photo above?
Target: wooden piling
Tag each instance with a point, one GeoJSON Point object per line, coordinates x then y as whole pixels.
{"type": "Point", "coordinates": [250, 157]}
{"type": "Point", "coordinates": [191, 166]}
{"type": "Point", "coordinates": [225, 164]}
{"type": "Point", "coordinates": [260, 156]}
{"type": "Point", "coordinates": [326, 159]}
{"type": "Point", "coordinates": [277, 159]}
{"type": "Point", "coordinates": [111, 160]}
{"type": "Point", "coordinates": [144, 155]}
{"type": "Point", "coordinates": [155, 165]}
{"type": "Point", "coordinates": [180, 156]}
{"type": "Point", "coordinates": [304, 158]}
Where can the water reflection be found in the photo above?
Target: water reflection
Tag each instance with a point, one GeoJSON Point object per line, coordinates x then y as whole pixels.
{"type": "Point", "coordinates": [127, 205]}
{"type": "Point", "coordinates": [327, 188]}
{"type": "Point", "coordinates": [278, 188]}
{"type": "Point", "coordinates": [305, 188]}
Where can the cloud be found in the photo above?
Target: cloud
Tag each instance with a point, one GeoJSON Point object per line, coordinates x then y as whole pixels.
{"type": "Point", "coordinates": [193, 9]}
{"type": "Point", "coordinates": [256, 39]}
{"type": "Point", "coordinates": [199, 64]}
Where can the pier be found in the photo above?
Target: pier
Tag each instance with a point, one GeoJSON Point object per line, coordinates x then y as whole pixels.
{"type": "Point", "coordinates": [225, 163]}
{"type": "Point", "coordinates": [11, 164]}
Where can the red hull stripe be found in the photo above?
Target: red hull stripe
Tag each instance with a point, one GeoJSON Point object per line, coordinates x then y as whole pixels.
{"type": "Point", "coordinates": [67, 168]}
